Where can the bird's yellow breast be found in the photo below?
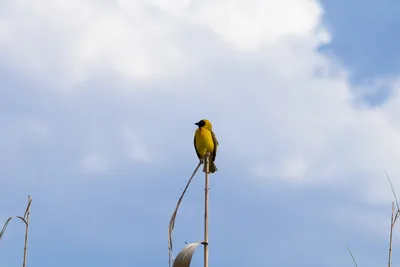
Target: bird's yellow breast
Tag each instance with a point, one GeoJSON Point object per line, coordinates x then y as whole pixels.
{"type": "Point", "coordinates": [204, 141]}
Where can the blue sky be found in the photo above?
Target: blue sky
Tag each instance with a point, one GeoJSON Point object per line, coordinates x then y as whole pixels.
{"type": "Point", "coordinates": [364, 34]}
{"type": "Point", "coordinates": [364, 40]}
{"type": "Point", "coordinates": [98, 102]}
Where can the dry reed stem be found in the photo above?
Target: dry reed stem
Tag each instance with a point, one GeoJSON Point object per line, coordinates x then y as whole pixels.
{"type": "Point", "coordinates": [26, 219]}
{"type": "Point", "coordinates": [207, 170]}
{"type": "Point", "coordinates": [393, 218]}
{"type": "Point", "coordinates": [392, 224]}
{"type": "Point", "coordinates": [391, 237]}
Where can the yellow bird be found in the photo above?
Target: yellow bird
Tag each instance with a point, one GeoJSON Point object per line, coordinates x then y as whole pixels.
{"type": "Point", "coordinates": [206, 142]}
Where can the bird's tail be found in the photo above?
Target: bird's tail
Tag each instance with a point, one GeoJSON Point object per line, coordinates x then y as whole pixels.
{"type": "Point", "coordinates": [212, 167]}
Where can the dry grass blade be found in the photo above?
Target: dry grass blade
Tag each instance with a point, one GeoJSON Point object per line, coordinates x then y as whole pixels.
{"type": "Point", "coordinates": [395, 215]}
{"type": "Point", "coordinates": [391, 186]}
{"type": "Point", "coordinates": [351, 254]}
{"type": "Point", "coordinates": [27, 207]}
{"type": "Point", "coordinates": [184, 257]}
{"type": "Point", "coordinates": [4, 227]}
{"type": "Point", "coordinates": [22, 219]}
{"type": "Point", "coordinates": [172, 221]}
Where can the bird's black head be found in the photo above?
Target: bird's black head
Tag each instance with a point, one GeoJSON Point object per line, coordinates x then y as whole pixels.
{"type": "Point", "coordinates": [201, 123]}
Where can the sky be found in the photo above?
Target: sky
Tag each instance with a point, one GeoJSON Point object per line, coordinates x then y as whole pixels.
{"type": "Point", "coordinates": [98, 102]}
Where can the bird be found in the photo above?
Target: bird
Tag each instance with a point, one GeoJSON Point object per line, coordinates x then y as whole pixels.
{"type": "Point", "coordinates": [206, 142]}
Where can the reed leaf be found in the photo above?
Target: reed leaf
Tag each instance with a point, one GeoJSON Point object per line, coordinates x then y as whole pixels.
{"type": "Point", "coordinates": [4, 227]}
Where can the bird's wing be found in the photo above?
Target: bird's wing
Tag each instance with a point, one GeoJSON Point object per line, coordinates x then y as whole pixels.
{"type": "Point", "coordinates": [194, 142]}
{"type": "Point", "coordinates": [214, 154]}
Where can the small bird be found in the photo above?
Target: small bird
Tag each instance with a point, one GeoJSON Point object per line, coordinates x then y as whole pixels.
{"type": "Point", "coordinates": [206, 142]}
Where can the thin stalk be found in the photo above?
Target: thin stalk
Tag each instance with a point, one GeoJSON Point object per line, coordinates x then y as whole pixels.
{"type": "Point", "coordinates": [391, 186]}
{"type": "Point", "coordinates": [27, 217]}
{"type": "Point", "coordinates": [351, 254]}
{"type": "Point", "coordinates": [207, 169]}
{"type": "Point", "coordinates": [392, 221]}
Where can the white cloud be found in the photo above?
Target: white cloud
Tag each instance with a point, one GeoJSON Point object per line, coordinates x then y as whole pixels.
{"type": "Point", "coordinates": [79, 37]}
{"type": "Point", "coordinates": [250, 66]}
{"type": "Point", "coordinates": [250, 24]}
{"type": "Point", "coordinates": [140, 39]}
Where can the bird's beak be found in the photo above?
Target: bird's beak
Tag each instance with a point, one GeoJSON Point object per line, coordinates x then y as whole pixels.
{"type": "Point", "coordinates": [197, 123]}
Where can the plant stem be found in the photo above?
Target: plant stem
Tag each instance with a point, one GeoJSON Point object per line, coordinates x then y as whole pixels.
{"type": "Point", "coordinates": [27, 215]}
{"type": "Point", "coordinates": [207, 168]}
{"type": "Point", "coordinates": [391, 236]}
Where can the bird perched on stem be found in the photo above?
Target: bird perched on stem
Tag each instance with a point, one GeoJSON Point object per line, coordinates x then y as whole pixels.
{"type": "Point", "coordinates": [206, 142]}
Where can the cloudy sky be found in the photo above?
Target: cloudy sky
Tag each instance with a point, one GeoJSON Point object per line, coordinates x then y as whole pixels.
{"type": "Point", "coordinates": [98, 101]}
